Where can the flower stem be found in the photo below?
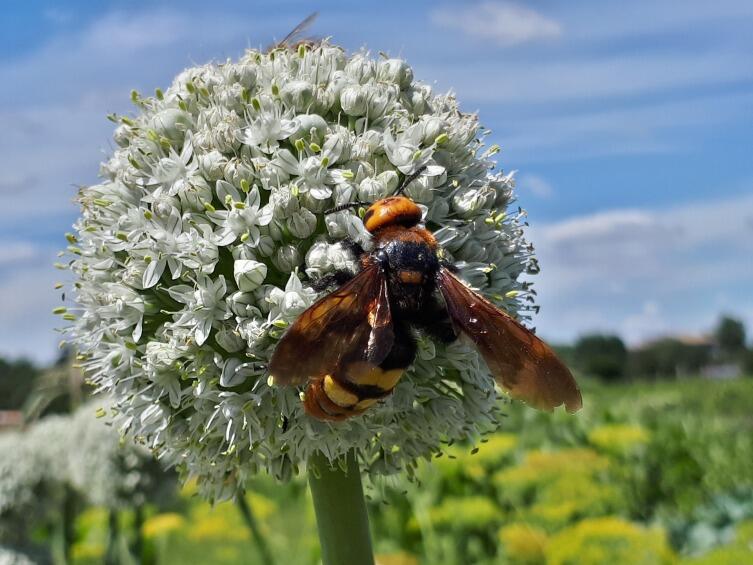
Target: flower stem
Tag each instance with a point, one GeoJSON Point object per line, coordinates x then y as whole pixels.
{"type": "Point", "coordinates": [340, 511]}
{"type": "Point", "coordinates": [253, 526]}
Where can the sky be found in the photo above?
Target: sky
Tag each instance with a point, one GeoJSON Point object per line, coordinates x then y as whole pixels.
{"type": "Point", "coordinates": [630, 126]}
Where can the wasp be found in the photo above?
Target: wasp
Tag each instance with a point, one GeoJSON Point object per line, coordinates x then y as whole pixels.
{"type": "Point", "coordinates": [351, 347]}
{"type": "Point", "coordinates": [296, 37]}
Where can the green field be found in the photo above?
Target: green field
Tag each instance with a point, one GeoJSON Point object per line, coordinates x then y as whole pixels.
{"type": "Point", "coordinates": [645, 473]}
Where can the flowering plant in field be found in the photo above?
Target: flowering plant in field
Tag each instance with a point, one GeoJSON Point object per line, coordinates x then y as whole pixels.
{"type": "Point", "coordinates": [198, 249]}
{"type": "Point", "coordinates": [78, 453]}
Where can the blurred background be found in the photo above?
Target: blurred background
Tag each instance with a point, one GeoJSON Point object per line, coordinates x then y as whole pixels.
{"type": "Point", "coordinates": [630, 126]}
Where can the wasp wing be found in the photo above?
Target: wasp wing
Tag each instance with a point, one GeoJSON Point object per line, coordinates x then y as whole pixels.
{"type": "Point", "coordinates": [352, 323]}
{"type": "Point", "coordinates": [519, 361]}
{"type": "Point", "coordinates": [297, 32]}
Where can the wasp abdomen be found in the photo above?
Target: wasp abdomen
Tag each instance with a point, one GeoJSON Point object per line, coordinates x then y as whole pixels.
{"type": "Point", "coordinates": [361, 385]}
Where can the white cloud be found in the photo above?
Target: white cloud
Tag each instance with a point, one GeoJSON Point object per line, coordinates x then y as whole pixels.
{"type": "Point", "coordinates": [629, 129]}
{"type": "Point", "coordinates": [649, 321]}
{"type": "Point", "coordinates": [53, 115]}
{"type": "Point", "coordinates": [643, 273]}
{"type": "Point", "coordinates": [502, 22]}
{"type": "Point", "coordinates": [57, 15]}
{"type": "Point", "coordinates": [14, 252]}
{"type": "Point", "coordinates": [590, 75]}
{"type": "Point", "coordinates": [26, 302]}
{"type": "Point", "coordinates": [538, 186]}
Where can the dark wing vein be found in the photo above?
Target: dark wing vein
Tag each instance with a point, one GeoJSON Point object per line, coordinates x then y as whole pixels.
{"type": "Point", "coordinates": [351, 323]}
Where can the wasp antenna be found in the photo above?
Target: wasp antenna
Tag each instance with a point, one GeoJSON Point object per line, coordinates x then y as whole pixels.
{"type": "Point", "coordinates": [409, 179]}
{"type": "Point", "coordinates": [342, 207]}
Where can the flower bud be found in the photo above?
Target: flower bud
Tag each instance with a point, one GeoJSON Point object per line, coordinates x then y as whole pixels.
{"type": "Point", "coordinates": [244, 251]}
{"type": "Point", "coordinates": [397, 71]}
{"type": "Point", "coordinates": [317, 260]}
{"type": "Point", "coordinates": [242, 304]}
{"type": "Point", "coordinates": [417, 99]}
{"type": "Point", "coordinates": [302, 224]}
{"type": "Point", "coordinates": [230, 340]}
{"type": "Point", "coordinates": [433, 127]}
{"type": "Point", "coordinates": [172, 123]}
{"type": "Point", "coordinates": [122, 135]}
{"type": "Point", "coordinates": [249, 274]}
{"type": "Point", "coordinates": [195, 194]}
{"type": "Point", "coordinates": [353, 100]}
{"type": "Point", "coordinates": [298, 94]}
{"type": "Point", "coordinates": [471, 250]}
{"type": "Point", "coordinates": [212, 165]}
{"type": "Point", "coordinates": [266, 245]}
{"type": "Point", "coordinates": [311, 127]}
{"type": "Point", "coordinates": [287, 258]}
{"type": "Point", "coordinates": [237, 170]}
{"type": "Point", "coordinates": [371, 190]}
{"type": "Point", "coordinates": [366, 145]}
{"type": "Point", "coordinates": [360, 69]}
{"type": "Point", "coordinates": [420, 190]}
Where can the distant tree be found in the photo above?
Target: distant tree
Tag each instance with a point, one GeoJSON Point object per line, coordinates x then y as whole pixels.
{"type": "Point", "coordinates": [748, 362]}
{"type": "Point", "coordinates": [565, 352]}
{"type": "Point", "coordinates": [669, 357]}
{"type": "Point", "coordinates": [730, 336]}
{"type": "Point", "coordinates": [17, 379]}
{"type": "Point", "coordinates": [603, 356]}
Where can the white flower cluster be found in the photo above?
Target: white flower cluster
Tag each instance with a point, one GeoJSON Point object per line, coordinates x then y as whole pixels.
{"type": "Point", "coordinates": [197, 250]}
{"type": "Point", "coordinates": [10, 556]}
{"type": "Point", "coordinates": [77, 452]}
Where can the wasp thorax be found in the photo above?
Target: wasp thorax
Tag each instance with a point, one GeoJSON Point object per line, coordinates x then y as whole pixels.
{"type": "Point", "coordinates": [392, 211]}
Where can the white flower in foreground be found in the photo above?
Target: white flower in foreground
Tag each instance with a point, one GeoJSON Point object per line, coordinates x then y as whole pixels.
{"type": "Point", "coordinates": [242, 217]}
{"type": "Point", "coordinates": [198, 250]}
{"type": "Point", "coordinates": [269, 128]}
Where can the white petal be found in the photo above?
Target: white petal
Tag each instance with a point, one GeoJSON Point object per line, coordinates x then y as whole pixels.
{"type": "Point", "coordinates": [136, 335]}
{"type": "Point", "coordinates": [288, 128]}
{"type": "Point", "coordinates": [202, 331]}
{"type": "Point", "coordinates": [434, 170]}
{"type": "Point", "coordinates": [225, 189]}
{"type": "Point", "coordinates": [175, 267]}
{"type": "Point", "coordinates": [153, 272]}
{"type": "Point", "coordinates": [225, 236]}
{"type": "Point", "coordinates": [333, 148]}
{"type": "Point", "coordinates": [321, 192]}
{"type": "Point", "coordinates": [287, 162]}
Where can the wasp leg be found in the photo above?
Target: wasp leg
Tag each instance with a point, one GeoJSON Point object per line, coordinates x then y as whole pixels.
{"type": "Point", "coordinates": [449, 266]}
{"type": "Point", "coordinates": [331, 280]}
{"type": "Point", "coordinates": [353, 246]}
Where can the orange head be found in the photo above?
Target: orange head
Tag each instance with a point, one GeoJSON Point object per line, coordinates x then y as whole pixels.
{"type": "Point", "coordinates": [392, 211]}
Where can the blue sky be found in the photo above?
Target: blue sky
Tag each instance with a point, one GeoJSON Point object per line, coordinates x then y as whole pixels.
{"type": "Point", "coordinates": [630, 126]}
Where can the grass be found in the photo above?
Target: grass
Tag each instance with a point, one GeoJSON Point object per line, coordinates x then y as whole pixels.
{"type": "Point", "coordinates": [647, 472]}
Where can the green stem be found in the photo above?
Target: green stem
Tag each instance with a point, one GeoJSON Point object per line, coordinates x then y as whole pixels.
{"type": "Point", "coordinates": [69, 519]}
{"type": "Point", "coordinates": [137, 547]}
{"type": "Point", "coordinates": [250, 519]}
{"type": "Point", "coordinates": [340, 511]}
{"type": "Point", "coordinates": [113, 535]}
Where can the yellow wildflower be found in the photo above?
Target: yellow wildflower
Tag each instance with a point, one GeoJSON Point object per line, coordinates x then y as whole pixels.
{"type": "Point", "coordinates": [162, 525]}
{"type": "Point", "coordinates": [608, 540]}
{"type": "Point", "coordinates": [523, 543]}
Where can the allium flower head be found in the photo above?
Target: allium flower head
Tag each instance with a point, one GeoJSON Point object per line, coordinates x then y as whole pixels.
{"type": "Point", "coordinates": [198, 249]}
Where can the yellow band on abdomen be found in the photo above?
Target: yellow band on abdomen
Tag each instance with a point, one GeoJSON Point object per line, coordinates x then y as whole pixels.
{"type": "Point", "coordinates": [338, 394]}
